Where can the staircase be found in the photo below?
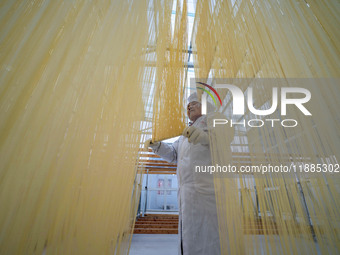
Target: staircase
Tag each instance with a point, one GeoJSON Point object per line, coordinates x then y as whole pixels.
{"type": "Point", "coordinates": [157, 224]}
{"type": "Point", "coordinates": [168, 224]}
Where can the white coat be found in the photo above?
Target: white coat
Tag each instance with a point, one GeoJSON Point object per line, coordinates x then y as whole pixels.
{"type": "Point", "coordinates": [198, 227]}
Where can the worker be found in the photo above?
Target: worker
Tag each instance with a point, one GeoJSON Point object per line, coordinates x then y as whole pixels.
{"type": "Point", "coordinates": [198, 226]}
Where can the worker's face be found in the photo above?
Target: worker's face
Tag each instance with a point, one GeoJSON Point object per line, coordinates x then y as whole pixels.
{"type": "Point", "coordinates": [194, 110]}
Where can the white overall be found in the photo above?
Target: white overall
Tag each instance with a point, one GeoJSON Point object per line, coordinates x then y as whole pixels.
{"type": "Point", "coordinates": [198, 227]}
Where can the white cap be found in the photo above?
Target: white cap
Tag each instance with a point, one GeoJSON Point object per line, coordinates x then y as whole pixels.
{"type": "Point", "coordinates": [193, 98]}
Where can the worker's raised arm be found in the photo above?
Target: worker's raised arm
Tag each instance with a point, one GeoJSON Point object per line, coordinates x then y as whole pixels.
{"type": "Point", "coordinates": [167, 151]}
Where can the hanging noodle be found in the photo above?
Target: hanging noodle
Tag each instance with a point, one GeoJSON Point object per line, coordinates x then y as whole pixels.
{"type": "Point", "coordinates": [171, 55]}
{"type": "Point", "coordinates": [272, 39]}
{"type": "Point", "coordinates": [82, 80]}
{"type": "Point", "coordinates": [72, 77]}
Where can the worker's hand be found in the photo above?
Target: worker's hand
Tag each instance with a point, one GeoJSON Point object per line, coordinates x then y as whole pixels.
{"type": "Point", "coordinates": [148, 143]}
{"type": "Point", "coordinates": [196, 135]}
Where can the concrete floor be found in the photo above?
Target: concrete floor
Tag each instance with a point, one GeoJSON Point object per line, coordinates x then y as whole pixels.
{"type": "Point", "coordinates": [149, 244]}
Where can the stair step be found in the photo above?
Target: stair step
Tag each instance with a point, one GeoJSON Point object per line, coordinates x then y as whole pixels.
{"type": "Point", "coordinates": [152, 220]}
{"type": "Point", "coordinates": [157, 216]}
{"type": "Point", "coordinates": [160, 219]}
{"type": "Point", "coordinates": [155, 231]}
{"type": "Point", "coordinates": [165, 226]}
{"type": "Point", "coordinates": [156, 223]}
